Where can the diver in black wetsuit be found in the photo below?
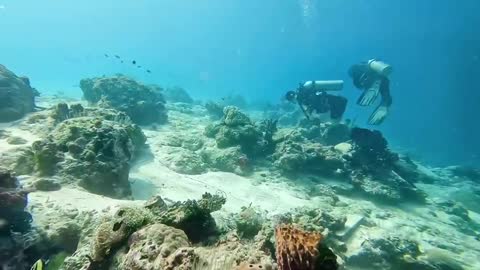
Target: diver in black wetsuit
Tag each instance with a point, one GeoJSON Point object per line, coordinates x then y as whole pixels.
{"type": "Point", "coordinates": [313, 99]}
{"type": "Point", "coordinates": [372, 78]}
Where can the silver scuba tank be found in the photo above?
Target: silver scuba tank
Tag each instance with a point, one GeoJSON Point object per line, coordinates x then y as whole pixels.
{"type": "Point", "coordinates": [380, 67]}
{"type": "Point", "coordinates": [320, 86]}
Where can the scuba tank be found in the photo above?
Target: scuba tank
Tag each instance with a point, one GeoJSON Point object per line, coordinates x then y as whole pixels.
{"type": "Point", "coordinates": [321, 86]}
{"type": "Point", "coordinates": [380, 67]}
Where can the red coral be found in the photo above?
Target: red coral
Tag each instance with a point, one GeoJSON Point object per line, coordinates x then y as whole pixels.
{"type": "Point", "coordinates": [300, 250]}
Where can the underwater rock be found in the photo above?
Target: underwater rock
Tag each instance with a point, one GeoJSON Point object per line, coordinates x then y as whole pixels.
{"type": "Point", "coordinates": [294, 155]}
{"type": "Point", "coordinates": [454, 208]}
{"type": "Point", "coordinates": [176, 94]}
{"type": "Point", "coordinates": [466, 172]}
{"type": "Point", "coordinates": [336, 133]}
{"type": "Point", "coordinates": [230, 252]}
{"type": "Point", "coordinates": [46, 185]}
{"type": "Point", "coordinates": [20, 251]}
{"type": "Point", "coordinates": [193, 216]}
{"type": "Point", "coordinates": [14, 140]}
{"type": "Point", "coordinates": [248, 222]}
{"type": "Point", "coordinates": [230, 159]}
{"type": "Point", "coordinates": [17, 97]}
{"type": "Point", "coordinates": [188, 162]}
{"type": "Point", "coordinates": [111, 234]}
{"type": "Point", "coordinates": [158, 246]}
{"type": "Point", "coordinates": [343, 148]}
{"type": "Point", "coordinates": [62, 112]}
{"type": "Point", "coordinates": [214, 109]}
{"type": "Point", "coordinates": [233, 117]}
{"type": "Point", "coordinates": [410, 171]}
{"type": "Point", "coordinates": [387, 188]}
{"type": "Point", "coordinates": [236, 129]}
{"type": "Point", "coordinates": [92, 152]}
{"type": "Point", "coordinates": [387, 253]}
{"type": "Point", "coordinates": [13, 200]}
{"type": "Point", "coordinates": [371, 153]}
{"type": "Point", "coordinates": [143, 104]}
{"type": "Point", "coordinates": [320, 220]}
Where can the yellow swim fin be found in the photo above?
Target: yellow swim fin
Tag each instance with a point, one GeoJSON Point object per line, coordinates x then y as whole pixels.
{"type": "Point", "coordinates": [38, 265]}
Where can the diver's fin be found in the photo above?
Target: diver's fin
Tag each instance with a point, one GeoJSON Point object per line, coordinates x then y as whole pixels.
{"type": "Point", "coordinates": [370, 95]}
{"type": "Point", "coordinates": [378, 115]}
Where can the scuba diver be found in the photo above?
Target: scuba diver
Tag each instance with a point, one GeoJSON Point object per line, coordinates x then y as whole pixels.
{"type": "Point", "coordinates": [313, 99]}
{"type": "Point", "coordinates": [372, 78]}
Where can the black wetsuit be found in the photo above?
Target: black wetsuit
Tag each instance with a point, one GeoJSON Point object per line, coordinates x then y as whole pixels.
{"type": "Point", "coordinates": [363, 78]}
{"type": "Point", "coordinates": [321, 102]}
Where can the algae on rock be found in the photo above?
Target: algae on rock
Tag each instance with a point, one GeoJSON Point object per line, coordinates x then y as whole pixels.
{"type": "Point", "coordinates": [143, 104]}
{"type": "Point", "coordinates": [193, 216]}
{"type": "Point", "coordinates": [94, 153]}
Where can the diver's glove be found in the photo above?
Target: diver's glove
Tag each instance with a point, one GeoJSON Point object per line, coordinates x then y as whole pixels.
{"type": "Point", "coordinates": [369, 96]}
{"type": "Point", "coordinates": [378, 115]}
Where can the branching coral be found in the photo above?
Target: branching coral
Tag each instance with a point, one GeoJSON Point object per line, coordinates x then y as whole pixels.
{"type": "Point", "coordinates": [299, 250]}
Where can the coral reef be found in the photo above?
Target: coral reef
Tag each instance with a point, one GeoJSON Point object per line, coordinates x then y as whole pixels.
{"type": "Point", "coordinates": [214, 109]}
{"type": "Point", "coordinates": [18, 242]}
{"type": "Point", "coordinates": [111, 234]}
{"type": "Point", "coordinates": [13, 200]}
{"type": "Point", "coordinates": [299, 250]}
{"type": "Point", "coordinates": [157, 246]}
{"type": "Point", "coordinates": [230, 159]}
{"type": "Point", "coordinates": [176, 94]}
{"type": "Point", "coordinates": [336, 133]}
{"type": "Point", "coordinates": [45, 184]}
{"type": "Point", "coordinates": [17, 97]}
{"type": "Point", "coordinates": [371, 154]}
{"type": "Point", "coordinates": [93, 152]}
{"type": "Point", "coordinates": [248, 222]}
{"type": "Point", "coordinates": [236, 129]}
{"type": "Point", "coordinates": [389, 253]}
{"type": "Point", "coordinates": [295, 154]}
{"type": "Point", "coordinates": [143, 104]}
{"type": "Point", "coordinates": [193, 216]}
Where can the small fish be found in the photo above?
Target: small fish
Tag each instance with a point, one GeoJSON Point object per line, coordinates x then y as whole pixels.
{"type": "Point", "coordinates": [121, 61]}
{"type": "Point", "coordinates": [134, 62]}
{"type": "Point", "coordinates": [106, 55]}
{"type": "Point", "coordinates": [148, 70]}
{"type": "Point", "coordinates": [116, 56]}
{"type": "Point", "coordinates": [39, 265]}
{"type": "Point", "coordinates": [139, 66]}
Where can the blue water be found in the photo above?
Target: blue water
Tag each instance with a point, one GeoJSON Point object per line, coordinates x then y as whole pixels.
{"type": "Point", "coordinates": [262, 48]}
